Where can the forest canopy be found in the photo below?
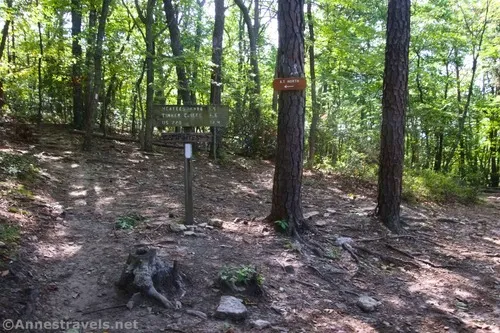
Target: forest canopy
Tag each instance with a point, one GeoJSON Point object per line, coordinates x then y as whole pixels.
{"type": "Point", "coordinates": [56, 55]}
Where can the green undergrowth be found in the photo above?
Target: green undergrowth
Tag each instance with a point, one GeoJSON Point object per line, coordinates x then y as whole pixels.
{"type": "Point", "coordinates": [129, 221]}
{"type": "Point", "coordinates": [22, 167]}
{"type": "Point", "coordinates": [428, 185]}
{"type": "Point", "coordinates": [418, 186]}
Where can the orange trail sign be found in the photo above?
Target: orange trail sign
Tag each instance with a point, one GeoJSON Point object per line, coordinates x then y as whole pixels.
{"type": "Point", "coordinates": [289, 83]}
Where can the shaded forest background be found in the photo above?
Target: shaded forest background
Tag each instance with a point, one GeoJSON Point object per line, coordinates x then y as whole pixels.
{"type": "Point", "coordinates": [57, 55]}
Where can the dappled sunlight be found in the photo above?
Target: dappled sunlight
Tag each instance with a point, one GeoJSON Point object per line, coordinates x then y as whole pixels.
{"type": "Point", "coordinates": [77, 194]}
{"type": "Point", "coordinates": [57, 252]}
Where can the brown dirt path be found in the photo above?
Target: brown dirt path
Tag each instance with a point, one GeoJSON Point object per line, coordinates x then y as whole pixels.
{"type": "Point", "coordinates": [443, 277]}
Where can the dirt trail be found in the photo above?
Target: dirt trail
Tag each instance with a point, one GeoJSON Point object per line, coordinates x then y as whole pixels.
{"type": "Point", "coordinates": [444, 276]}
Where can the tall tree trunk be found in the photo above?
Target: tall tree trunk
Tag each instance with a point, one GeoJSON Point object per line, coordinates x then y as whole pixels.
{"type": "Point", "coordinates": [394, 104]}
{"type": "Point", "coordinates": [313, 131]}
{"type": "Point", "coordinates": [40, 83]}
{"type": "Point", "coordinates": [5, 30]}
{"type": "Point", "coordinates": [475, 56]}
{"type": "Point", "coordinates": [216, 79]}
{"type": "Point", "coordinates": [255, 107]}
{"type": "Point", "coordinates": [287, 183]}
{"type": "Point", "coordinates": [197, 45]}
{"type": "Point", "coordinates": [495, 175]}
{"type": "Point", "coordinates": [178, 52]}
{"type": "Point", "coordinates": [89, 60]}
{"type": "Point", "coordinates": [95, 89]}
{"type": "Point", "coordinates": [76, 49]}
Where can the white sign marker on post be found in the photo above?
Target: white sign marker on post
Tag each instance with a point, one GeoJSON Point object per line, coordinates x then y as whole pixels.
{"type": "Point", "coordinates": [188, 150]}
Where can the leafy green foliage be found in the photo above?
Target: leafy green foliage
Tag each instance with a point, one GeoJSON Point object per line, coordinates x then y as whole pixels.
{"type": "Point", "coordinates": [281, 225]}
{"type": "Point", "coordinates": [9, 233]}
{"type": "Point", "coordinates": [129, 221]}
{"type": "Point", "coordinates": [427, 185]}
{"type": "Point", "coordinates": [240, 276]}
{"type": "Point", "coordinates": [22, 167]}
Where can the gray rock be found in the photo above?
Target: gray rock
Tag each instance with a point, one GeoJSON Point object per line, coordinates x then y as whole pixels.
{"type": "Point", "coordinates": [321, 223]}
{"type": "Point", "coordinates": [2, 244]}
{"type": "Point", "coordinates": [260, 324]}
{"type": "Point", "coordinates": [176, 227]}
{"type": "Point", "coordinates": [309, 215]}
{"type": "Point", "coordinates": [340, 241]}
{"type": "Point", "coordinates": [367, 303]}
{"type": "Point", "coordinates": [331, 210]}
{"type": "Point", "coordinates": [189, 233]}
{"type": "Point", "coordinates": [217, 223]}
{"type": "Point", "coordinates": [196, 313]}
{"type": "Point", "coordinates": [232, 308]}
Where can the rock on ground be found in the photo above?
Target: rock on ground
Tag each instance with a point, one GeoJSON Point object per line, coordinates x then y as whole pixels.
{"type": "Point", "coordinates": [232, 308]}
{"type": "Point", "coordinates": [367, 303]}
{"type": "Point", "coordinates": [260, 324]}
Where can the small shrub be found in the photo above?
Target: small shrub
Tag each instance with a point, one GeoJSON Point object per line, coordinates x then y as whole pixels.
{"type": "Point", "coordinates": [129, 221]}
{"type": "Point", "coordinates": [244, 278]}
{"type": "Point", "coordinates": [427, 185]}
{"type": "Point", "coordinates": [22, 167]}
{"type": "Point", "coordinates": [9, 233]}
{"type": "Point", "coordinates": [281, 225]}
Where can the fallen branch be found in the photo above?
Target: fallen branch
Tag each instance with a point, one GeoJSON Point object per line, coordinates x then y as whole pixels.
{"type": "Point", "coordinates": [392, 260]}
{"type": "Point", "coordinates": [104, 309]}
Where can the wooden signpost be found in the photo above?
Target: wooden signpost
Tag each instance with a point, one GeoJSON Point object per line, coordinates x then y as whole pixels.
{"type": "Point", "coordinates": [289, 83]}
{"type": "Point", "coordinates": [190, 116]}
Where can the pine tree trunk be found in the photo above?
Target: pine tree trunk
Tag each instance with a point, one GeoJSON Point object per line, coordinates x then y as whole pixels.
{"type": "Point", "coordinates": [95, 88]}
{"type": "Point", "coordinates": [76, 49]}
{"type": "Point", "coordinates": [394, 103]}
{"type": "Point", "coordinates": [287, 183]}
{"type": "Point", "coordinates": [216, 79]}
{"type": "Point", "coordinates": [313, 131]}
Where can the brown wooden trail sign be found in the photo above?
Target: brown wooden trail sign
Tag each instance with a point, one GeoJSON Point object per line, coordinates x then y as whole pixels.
{"type": "Point", "coordinates": [187, 137]}
{"type": "Point", "coordinates": [289, 83]}
{"type": "Point", "coordinates": [191, 115]}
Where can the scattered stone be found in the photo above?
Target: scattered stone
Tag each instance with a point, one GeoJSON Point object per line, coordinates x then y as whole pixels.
{"type": "Point", "coordinates": [189, 233]}
{"type": "Point", "coordinates": [176, 227]}
{"type": "Point", "coordinates": [310, 215]}
{"type": "Point", "coordinates": [260, 324]}
{"type": "Point", "coordinates": [202, 225]}
{"type": "Point", "coordinates": [367, 303]}
{"type": "Point", "coordinates": [196, 313]}
{"type": "Point", "coordinates": [2, 244]}
{"type": "Point", "coordinates": [326, 214]}
{"type": "Point", "coordinates": [135, 299]}
{"type": "Point", "coordinates": [217, 223]}
{"type": "Point", "coordinates": [236, 220]}
{"type": "Point", "coordinates": [321, 223]}
{"type": "Point", "coordinates": [448, 219]}
{"type": "Point", "coordinates": [340, 241]}
{"type": "Point", "coordinates": [331, 210]}
{"type": "Point", "coordinates": [232, 308]}
{"type": "Point", "coordinates": [209, 227]}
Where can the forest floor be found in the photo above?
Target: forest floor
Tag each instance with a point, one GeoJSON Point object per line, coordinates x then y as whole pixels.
{"type": "Point", "coordinates": [442, 275]}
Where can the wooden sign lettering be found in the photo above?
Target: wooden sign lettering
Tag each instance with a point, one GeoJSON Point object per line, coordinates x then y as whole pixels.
{"type": "Point", "coordinates": [289, 83]}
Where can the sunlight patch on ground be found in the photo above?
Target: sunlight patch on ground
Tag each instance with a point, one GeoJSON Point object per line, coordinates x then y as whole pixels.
{"type": "Point", "coordinates": [74, 165]}
{"type": "Point", "coordinates": [78, 194]}
{"type": "Point", "coordinates": [59, 251]}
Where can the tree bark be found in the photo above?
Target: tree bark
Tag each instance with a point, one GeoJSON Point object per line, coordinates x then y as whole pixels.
{"type": "Point", "coordinates": [95, 88]}
{"type": "Point", "coordinates": [216, 79]}
{"type": "Point", "coordinates": [286, 200]}
{"type": "Point", "coordinates": [313, 131]}
{"type": "Point", "coordinates": [40, 83]}
{"type": "Point", "coordinates": [76, 49]}
{"type": "Point", "coordinates": [255, 109]}
{"type": "Point", "coordinates": [394, 104]}
{"type": "Point", "coordinates": [178, 52]}
{"type": "Point", "coordinates": [5, 30]}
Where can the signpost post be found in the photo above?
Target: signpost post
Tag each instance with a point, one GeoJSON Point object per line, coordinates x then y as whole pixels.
{"type": "Point", "coordinates": [190, 116]}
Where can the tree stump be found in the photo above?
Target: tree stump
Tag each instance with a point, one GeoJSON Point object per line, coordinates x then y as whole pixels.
{"type": "Point", "coordinates": [147, 274]}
